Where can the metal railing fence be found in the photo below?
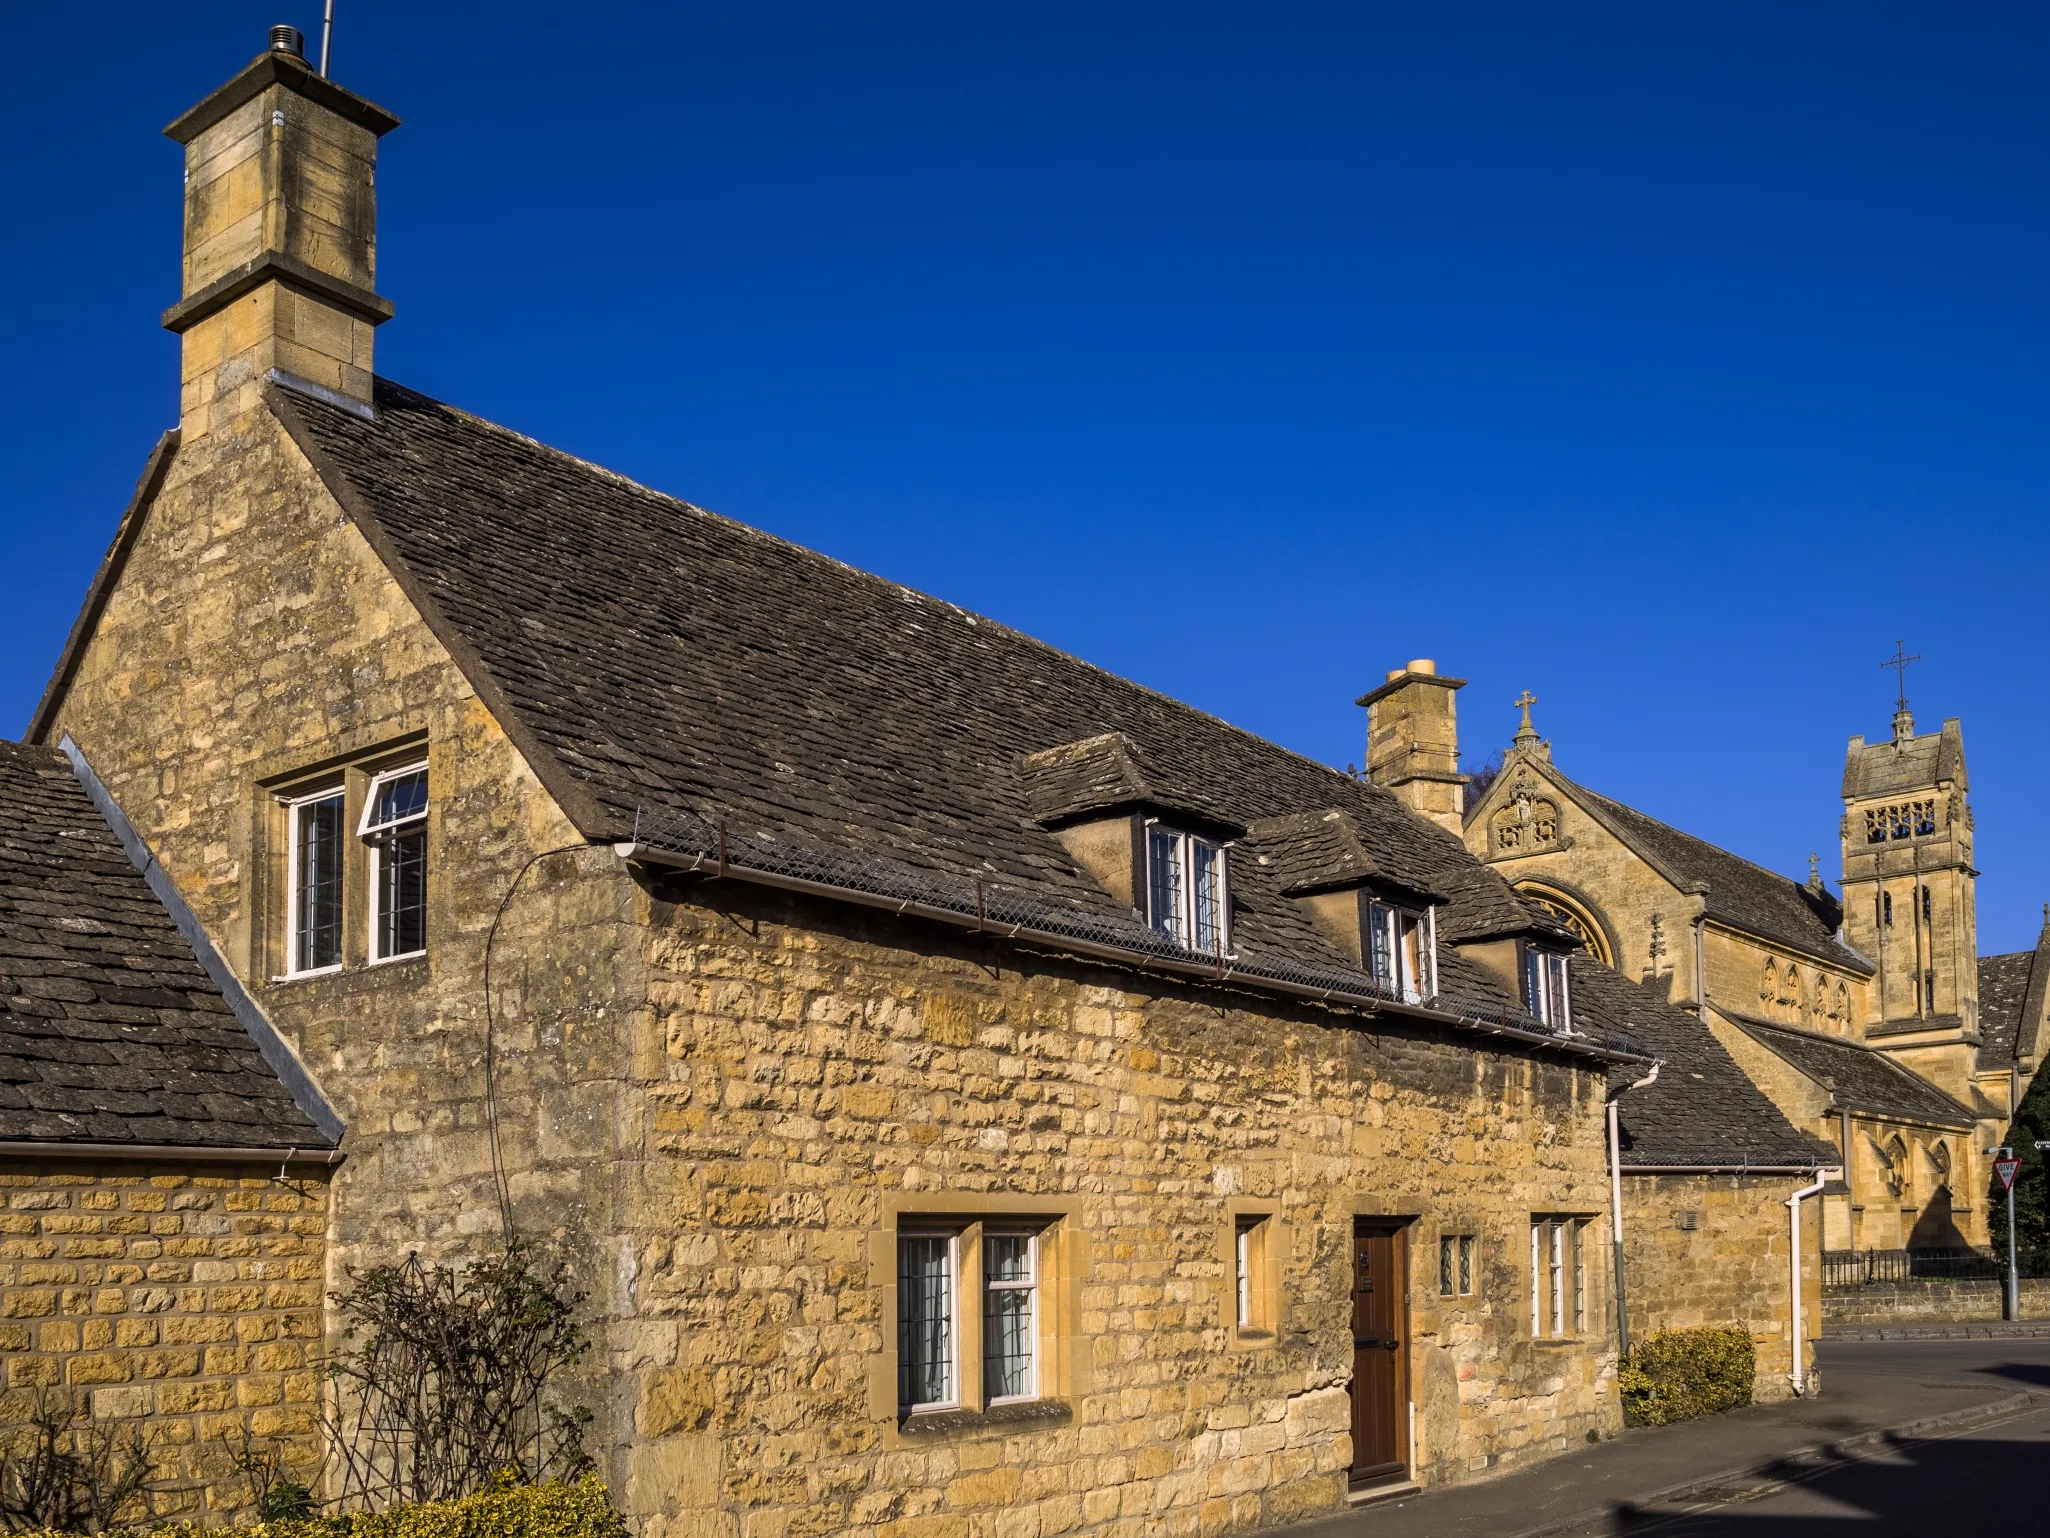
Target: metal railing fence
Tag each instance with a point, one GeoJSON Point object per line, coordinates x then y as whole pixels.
{"type": "Point", "coordinates": [1862, 1268]}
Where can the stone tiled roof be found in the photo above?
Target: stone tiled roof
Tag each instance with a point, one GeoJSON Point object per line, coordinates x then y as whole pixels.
{"type": "Point", "coordinates": [110, 1029]}
{"type": "Point", "coordinates": [1915, 763]}
{"type": "Point", "coordinates": [1857, 1077]}
{"type": "Point", "coordinates": [2011, 990]}
{"type": "Point", "coordinates": [648, 653]}
{"type": "Point", "coordinates": [1702, 1110]}
{"type": "Point", "coordinates": [1740, 894]}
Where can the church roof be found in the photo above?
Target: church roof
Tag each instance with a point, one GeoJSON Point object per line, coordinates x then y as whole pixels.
{"type": "Point", "coordinates": [111, 1031]}
{"type": "Point", "coordinates": [1857, 1077]}
{"type": "Point", "coordinates": [2011, 1003]}
{"type": "Point", "coordinates": [1740, 894]}
{"type": "Point", "coordinates": [1912, 763]}
{"type": "Point", "coordinates": [1702, 1111]}
{"type": "Point", "coordinates": [661, 665]}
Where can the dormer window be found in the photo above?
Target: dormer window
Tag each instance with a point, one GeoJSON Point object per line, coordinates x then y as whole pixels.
{"type": "Point", "coordinates": [1402, 950]}
{"type": "Point", "coordinates": [1185, 890]}
{"type": "Point", "coordinates": [1546, 992]}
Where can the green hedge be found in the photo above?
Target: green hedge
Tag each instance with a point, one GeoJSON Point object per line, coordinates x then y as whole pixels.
{"type": "Point", "coordinates": [1685, 1373]}
{"type": "Point", "coordinates": [554, 1509]}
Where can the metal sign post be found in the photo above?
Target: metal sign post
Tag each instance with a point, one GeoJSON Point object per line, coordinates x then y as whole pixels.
{"type": "Point", "coordinates": [2006, 1166]}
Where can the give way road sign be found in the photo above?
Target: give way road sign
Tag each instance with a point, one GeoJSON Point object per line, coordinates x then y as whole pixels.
{"type": "Point", "coordinates": [2007, 1169]}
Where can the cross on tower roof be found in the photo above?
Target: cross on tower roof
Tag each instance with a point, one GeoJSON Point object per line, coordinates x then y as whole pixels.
{"type": "Point", "coordinates": [1899, 663]}
{"type": "Point", "coordinates": [1903, 723]}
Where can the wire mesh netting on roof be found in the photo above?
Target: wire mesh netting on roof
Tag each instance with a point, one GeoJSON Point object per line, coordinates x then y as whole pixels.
{"type": "Point", "coordinates": [1004, 910]}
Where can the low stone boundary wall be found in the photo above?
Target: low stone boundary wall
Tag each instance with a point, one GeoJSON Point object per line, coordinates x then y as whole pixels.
{"type": "Point", "coordinates": [1933, 1301]}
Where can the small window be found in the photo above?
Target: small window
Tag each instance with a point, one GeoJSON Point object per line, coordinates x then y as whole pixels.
{"type": "Point", "coordinates": [395, 827]}
{"type": "Point", "coordinates": [926, 1331]}
{"type": "Point", "coordinates": [1010, 1353]}
{"type": "Point", "coordinates": [1402, 951]}
{"type": "Point", "coordinates": [1547, 994]}
{"type": "Point", "coordinates": [1558, 1278]}
{"type": "Point", "coordinates": [1925, 907]}
{"type": "Point", "coordinates": [1886, 910]}
{"type": "Point", "coordinates": [1253, 1305]}
{"type": "Point", "coordinates": [313, 923]}
{"type": "Point", "coordinates": [1186, 896]}
{"type": "Point", "coordinates": [1455, 1266]}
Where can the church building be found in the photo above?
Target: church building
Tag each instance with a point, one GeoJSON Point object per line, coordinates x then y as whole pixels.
{"type": "Point", "coordinates": [1867, 1015]}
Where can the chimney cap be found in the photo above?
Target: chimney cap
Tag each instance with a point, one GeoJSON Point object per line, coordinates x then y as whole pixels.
{"type": "Point", "coordinates": [288, 39]}
{"type": "Point", "coordinates": [277, 66]}
{"type": "Point", "coordinates": [1423, 670]}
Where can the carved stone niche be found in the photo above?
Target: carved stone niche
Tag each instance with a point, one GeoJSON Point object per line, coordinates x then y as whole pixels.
{"type": "Point", "coordinates": [1096, 796]}
{"type": "Point", "coordinates": [1320, 862]}
{"type": "Point", "coordinates": [1527, 822]}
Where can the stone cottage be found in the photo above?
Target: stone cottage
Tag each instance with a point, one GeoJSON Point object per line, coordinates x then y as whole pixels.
{"type": "Point", "coordinates": [163, 1191]}
{"type": "Point", "coordinates": [987, 1097]}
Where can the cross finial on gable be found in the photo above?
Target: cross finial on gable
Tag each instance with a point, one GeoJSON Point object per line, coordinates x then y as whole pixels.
{"type": "Point", "coordinates": [1526, 734]}
{"type": "Point", "coordinates": [1814, 870]}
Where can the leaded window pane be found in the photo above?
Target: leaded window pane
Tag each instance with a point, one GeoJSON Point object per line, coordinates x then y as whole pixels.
{"type": "Point", "coordinates": [1007, 1326]}
{"type": "Point", "coordinates": [398, 799]}
{"type": "Point", "coordinates": [1208, 890]}
{"type": "Point", "coordinates": [1164, 878]}
{"type": "Point", "coordinates": [925, 1319]}
{"type": "Point", "coordinates": [317, 892]}
{"type": "Point", "coordinates": [402, 892]}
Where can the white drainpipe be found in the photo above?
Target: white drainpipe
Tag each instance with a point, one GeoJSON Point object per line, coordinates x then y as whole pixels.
{"type": "Point", "coordinates": [1616, 1205]}
{"type": "Point", "coordinates": [1822, 1178]}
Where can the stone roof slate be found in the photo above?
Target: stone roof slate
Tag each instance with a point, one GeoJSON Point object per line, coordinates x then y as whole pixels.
{"type": "Point", "coordinates": [1740, 894]}
{"type": "Point", "coordinates": [2003, 999]}
{"type": "Point", "coordinates": [669, 658]}
{"type": "Point", "coordinates": [1703, 1110]}
{"type": "Point", "coordinates": [1914, 763]}
{"type": "Point", "coordinates": [110, 1029]}
{"type": "Point", "coordinates": [1857, 1077]}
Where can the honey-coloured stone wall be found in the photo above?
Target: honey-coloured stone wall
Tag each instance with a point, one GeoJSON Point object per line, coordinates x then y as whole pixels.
{"type": "Point", "coordinates": [1712, 1249]}
{"type": "Point", "coordinates": [184, 1299]}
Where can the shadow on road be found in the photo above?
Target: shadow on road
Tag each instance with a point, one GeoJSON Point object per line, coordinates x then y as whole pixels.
{"type": "Point", "coordinates": [1916, 1488]}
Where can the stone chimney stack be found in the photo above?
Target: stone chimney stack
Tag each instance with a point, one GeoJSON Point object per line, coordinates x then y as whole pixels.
{"type": "Point", "coordinates": [280, 238]}
{"type": "Point", "coordinates": [1413, 742]}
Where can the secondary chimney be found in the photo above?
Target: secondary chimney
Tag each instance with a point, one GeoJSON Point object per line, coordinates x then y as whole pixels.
{"type": "Point", "coordinates": [1413, 742]}
{"type": "Point", "coordinates": [280, 237]}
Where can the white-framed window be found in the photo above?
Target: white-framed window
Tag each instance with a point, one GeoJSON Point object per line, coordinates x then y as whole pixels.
{"type": "Point", "coordinates": [1558, 1277]}
{"type": "Point", "coordinates": [1010, 1317]}
{"type": "Point", "coordinates": [928, 1330]}
{"type": "Point", "coordinates": [313, 883]}
{"type": "Point", "coordinates": [1186, 895]}
{"type": "Point", "coordinates": [395, 827]}
{"type": "Point", "coordinates": [952, 1279]}
{"type": "Point", "coordinates": [1402, 950]}
{"type": "Point", "coordinates": [1546, 992]}
{"type": "Point", "coordinates": [1455, 1266]}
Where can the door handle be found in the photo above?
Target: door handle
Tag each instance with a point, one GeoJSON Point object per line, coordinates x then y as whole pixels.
{"type": "Point", "coordinates": [1392, 1345]}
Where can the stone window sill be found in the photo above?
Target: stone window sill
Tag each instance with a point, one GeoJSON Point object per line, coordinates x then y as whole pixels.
{"type": "Point", "coordinates": [1007, 1417]}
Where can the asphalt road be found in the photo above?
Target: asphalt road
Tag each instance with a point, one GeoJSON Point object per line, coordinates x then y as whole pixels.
{"type": "Point", "coordinates": [1992, 1479]}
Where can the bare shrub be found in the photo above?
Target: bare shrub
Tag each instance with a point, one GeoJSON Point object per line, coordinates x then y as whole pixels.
{"type": "Point", "coordinates": [444, 1381]}
{"type": "Point", "coordinates": [62, 1471]}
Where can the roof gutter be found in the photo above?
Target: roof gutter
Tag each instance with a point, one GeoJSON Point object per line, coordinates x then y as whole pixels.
{"type": "Point", "coordinates": [641, 853]}
{"type": "Point", "coordinates": [1724, 1169]}
{"type": "Point", "coordinates": [18, 1147]}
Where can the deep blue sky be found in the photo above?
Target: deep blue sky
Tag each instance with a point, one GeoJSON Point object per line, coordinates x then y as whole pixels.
{"type": "Point", "coordinates": [1667, 361]}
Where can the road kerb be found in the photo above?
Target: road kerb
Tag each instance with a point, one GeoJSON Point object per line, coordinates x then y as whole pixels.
{"type": "Point", "coordinates": [1846, 1449]}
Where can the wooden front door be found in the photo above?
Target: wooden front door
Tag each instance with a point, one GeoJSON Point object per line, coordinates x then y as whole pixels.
{"type": "Point", "coordinates": [1380, 1352]}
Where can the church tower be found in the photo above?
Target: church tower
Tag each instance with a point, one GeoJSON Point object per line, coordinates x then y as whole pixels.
{"type": "Point", "coordinates": [1909, 901]}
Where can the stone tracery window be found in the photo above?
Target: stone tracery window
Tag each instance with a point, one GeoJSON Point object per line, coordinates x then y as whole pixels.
{"type": "Point", "coordinates": [1575, 916]}
{"type": "Point", "coordinates": [1901, 820]}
